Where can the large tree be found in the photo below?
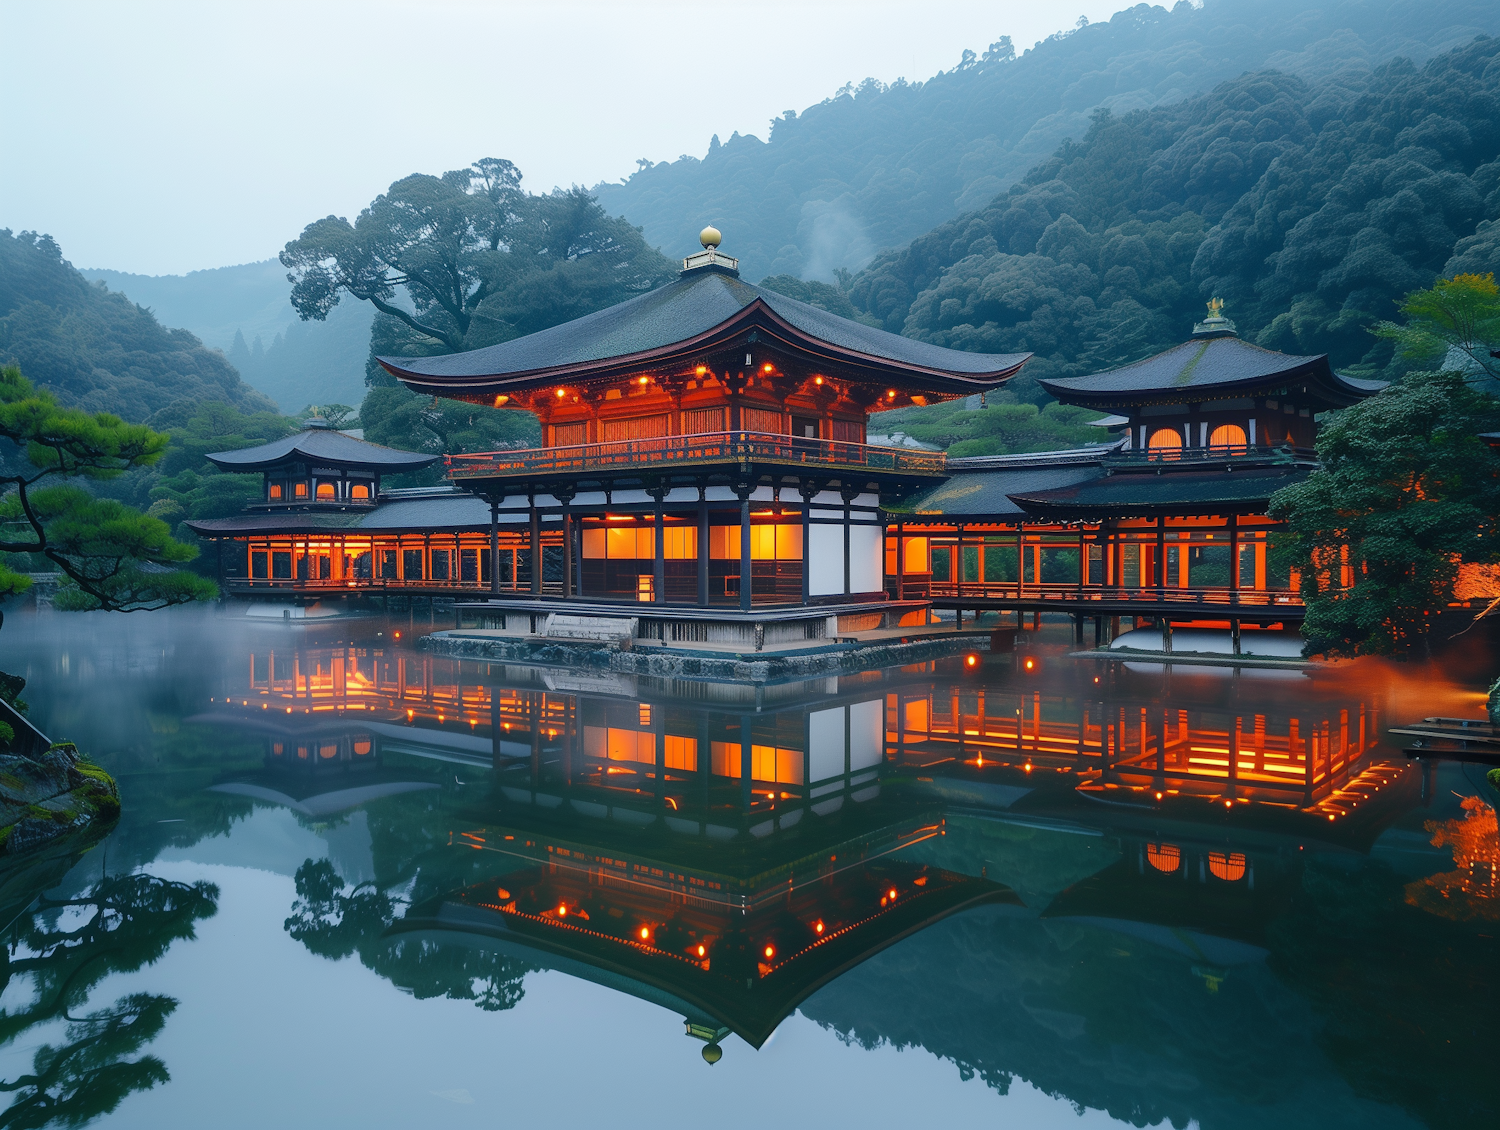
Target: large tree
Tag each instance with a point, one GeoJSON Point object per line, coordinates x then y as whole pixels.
{"type": "Point", "coordinates": [457, 262]}
{"type": "Point", "coordinates": [1406, 493]}
{"type": "Point", "coordinates": [478, 259]}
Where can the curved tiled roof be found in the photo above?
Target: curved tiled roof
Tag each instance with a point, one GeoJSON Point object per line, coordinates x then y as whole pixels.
{"type": "Point", "coordinates": [678, 314]}
{"type": "Point", "coordinates": [321, 445]}
{"type": "Point", "coordinates": [1217, 366]}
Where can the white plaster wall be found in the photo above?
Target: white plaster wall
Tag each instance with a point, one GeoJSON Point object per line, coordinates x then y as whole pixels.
{"type": "Point", "coordinates": [866, 559]}
{"type": "Point", "coordinates": [825, 555]}
{"type": "Point", "coordinates": [866, 746]}
{"type": "Point", "coordinates": [825, 744]}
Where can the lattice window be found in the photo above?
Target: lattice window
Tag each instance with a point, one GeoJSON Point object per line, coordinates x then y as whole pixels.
{"type": "Point", "coordinates": [570, 435]}
{"type": "Point", "coordinates": [702, 421]}
{"type": "Point", "coordinates": [635, 427]}
{"type": "Point", "coordinates": [849, 431]}
{"type": "Point", "coordinates": [761, 420]}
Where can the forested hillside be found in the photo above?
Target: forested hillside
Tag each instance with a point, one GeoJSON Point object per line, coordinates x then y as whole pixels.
{"type": "Point", "coordinates": [875, 166]}
{"type": "Point", "coordinates": [245, 311]}
{"type": "Point", "coordinates": [1311, 209]}
{"type": "Point", "coordinates": [98, 350]}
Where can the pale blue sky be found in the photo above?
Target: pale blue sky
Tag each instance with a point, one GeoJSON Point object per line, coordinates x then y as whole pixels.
{"type": "Point", "coordinates": [166, 137]}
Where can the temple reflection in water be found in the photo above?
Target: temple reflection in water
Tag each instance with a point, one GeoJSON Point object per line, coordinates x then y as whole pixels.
{"type": "Point", "coordinates": [725, 850]}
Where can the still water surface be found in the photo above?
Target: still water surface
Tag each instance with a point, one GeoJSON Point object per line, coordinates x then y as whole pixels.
{"type": "Point", "coordinates": [357, 884]}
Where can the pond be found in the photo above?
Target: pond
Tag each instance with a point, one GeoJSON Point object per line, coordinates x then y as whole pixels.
{"type": "Point", "coordinates": [355, 883]}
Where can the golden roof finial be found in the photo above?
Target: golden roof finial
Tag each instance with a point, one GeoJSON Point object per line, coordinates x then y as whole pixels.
{"type": "Point", "coordinates": [710, 237]}
{"type": "Point", "coordinates": [1215, 307]}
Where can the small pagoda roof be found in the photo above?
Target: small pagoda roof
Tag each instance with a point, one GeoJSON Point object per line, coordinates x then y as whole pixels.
{"type": "Point", "coordinates": [421, 510]}
{"type": "Point", "coordinates": [318, 443]}
{"type": "Point", "coordinates": [1145, 493]}
{"type": "Point", "coordinates": [1217, 367]}
{"type": "Point", "coordinates": [982, 487]}
{"type": "Point", "coordinates": [706, 307]}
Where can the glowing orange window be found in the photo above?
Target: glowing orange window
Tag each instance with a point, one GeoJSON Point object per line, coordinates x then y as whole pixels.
{"type": "Point", "coordinates": [1165, 439]}
{"type": "Point", "coordinates": [361, 747]}
{"type": "Point", "coordinates": [300, 490]}
{"type": "Point", "coordinates": [359, 490]}
{"type": "Point", "coordinates": [1227, 435]}
{"type": "Point", "coordinates": [275, 490]}
{"type": "Point", "coordinates": [328, 752]}
{"type": "Point", "coordinates": [1164, 857]}
{"type": "Point", "coordinates": [325, 490]}
{"type": "Point", "coordinates": [1226, 867]}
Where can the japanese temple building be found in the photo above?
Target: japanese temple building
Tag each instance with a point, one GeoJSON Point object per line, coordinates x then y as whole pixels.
{"type": "Point", "coordinates": [704, 467]}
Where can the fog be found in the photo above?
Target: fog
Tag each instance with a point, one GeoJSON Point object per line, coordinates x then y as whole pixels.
{"type": "Point", "coordinates": [160, 138]}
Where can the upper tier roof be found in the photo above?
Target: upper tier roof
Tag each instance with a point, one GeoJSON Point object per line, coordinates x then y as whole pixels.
{"type": "Point", "coordinates": [705, 307]}
{"type": "Point", "coordinates": [320, 444]}
{"type": "Point", "coordinates": [1212, 368]}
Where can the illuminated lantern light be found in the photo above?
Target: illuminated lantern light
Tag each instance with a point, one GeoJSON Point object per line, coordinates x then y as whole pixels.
{"type": "Point", "coordinates": [642, 380]}
{"type": "Point", "coordinates": [818, 927]}
{"type": "Point", "coordinates": [562, 910]}
{"type": "Point", "coordinates": [971, 661]}
{"type": "Point", "coordinates": [702, 370]}
{"type": "Point", "coordinates": [770, 952]}
{"type": "Point", "coordinates": [645, 933]}
{"type": "Point", "coordinates": [767, 367]}
{"type": "Point", "coordinates": [499, 400]}
{"type": "Point", "coordinates": [892, 895]}
{"type": "Point", "coordinates": [702, 950]}
{"type": "Point", "coordinates": [1164, 857]}
{"type": "Point", "coordinates": [890, 394]}
{"type": "Point", "coordinates": [503, 895]}
{"type": "Point", "coordinates": [562, 392]}
{"type": "Point", "coordinates": [1227, 867]}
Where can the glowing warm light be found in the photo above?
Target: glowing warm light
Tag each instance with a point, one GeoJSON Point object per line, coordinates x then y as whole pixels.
{"type": "Point", "coordinates": [892, 895]}
{"type": "Point", "coordinates": [1028, 767]}
{"type": "Point", "coordinates": [701, 951]}
{"type": "Point", "coordinates": [398, 635]}
{"type": "Point", "coordinates": [1030, 663]}
{"type": "Point", "coordinates": [645, 933]}
{"type": "Point", "coordinates": [1226, 867]}
{"type": "Point", "coordinates": [1158, 796]}
{"type": "Point", "coordinates": [562, 910]}
{"type": "Point", "coordinates": [701, 371]}
{"type": "Point", "coordinates": [502, 894]}
{"type": "Point", "coordinates": [770, 952]}
{"type": "Point", "coordinates": [561, 393]}
{"type": "Point", "coordinates": [410, 713]}
{"type": "Point", "coordinates": [642, 380]}
{"type": "Point", "coordinates": [499, 400]}
{"type": "Point", "coordinates": [971, 660]}
{"type": "Point", "coordinates": [818, 926]}
{"type": "Point", "coordinates": [817, 380]}
{"type": "Point", "coordinates": [1164, 857]}
{"type": "Point", "coordinates": [1096, 678]}
{"type": "Point", "coordinates": [890, 394]}
{"type": "Point", "coordinates": [1229, 804]}
{"type": "Point", "coordinates": [767, 367]}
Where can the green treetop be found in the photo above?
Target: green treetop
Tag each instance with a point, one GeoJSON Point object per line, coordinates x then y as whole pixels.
{"type": "Point", "coordinates": [115, 557]}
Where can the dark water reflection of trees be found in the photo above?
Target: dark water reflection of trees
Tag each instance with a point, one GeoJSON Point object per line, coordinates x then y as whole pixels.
{"type": "Point", "coordinates": [56, 954]}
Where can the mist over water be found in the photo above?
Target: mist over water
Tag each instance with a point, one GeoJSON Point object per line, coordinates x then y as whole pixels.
{"type": "Point", "coordinates": [405, 888]}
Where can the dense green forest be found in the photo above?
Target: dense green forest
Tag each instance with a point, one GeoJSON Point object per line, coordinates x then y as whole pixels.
{"type": "Point", "coordinates": [97, 350]}
{"type": "Point", "coordinates": [1310, 209]}
{"type": "Point", "coordinates": [874, 166]}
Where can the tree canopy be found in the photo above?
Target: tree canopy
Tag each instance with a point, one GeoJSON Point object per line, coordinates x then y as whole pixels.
{"type": "Point", "coordinates": [113, 556]}
{"type": "Point", "coordinates": [475, 259]}
{"type": "Point", "coordinates": [1406, 492]}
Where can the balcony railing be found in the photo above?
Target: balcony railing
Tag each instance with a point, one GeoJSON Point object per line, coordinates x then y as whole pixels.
{"type": "Point", "coordinates": [1009, 590]}
{"type": "Point", "coordinates": [669, 452]}
{"type": "Point", "coordinates": [1235, 453]}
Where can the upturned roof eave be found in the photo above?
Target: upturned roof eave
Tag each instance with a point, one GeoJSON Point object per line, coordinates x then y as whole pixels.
{"type": "Point", "coordinates": [297, 454]}
{"type": "Point", "coordinates": [1316, 368]}
{"type": "Point", "coordinates": [756, 314]}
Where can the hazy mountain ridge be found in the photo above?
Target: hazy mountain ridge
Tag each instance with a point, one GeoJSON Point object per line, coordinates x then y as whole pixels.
{"type": "Point", "coordinates": [97, 349]}
{"type": "Point", "coordinates": [293, 362]}
{"type": "Point", "coordinates": [874, 166]}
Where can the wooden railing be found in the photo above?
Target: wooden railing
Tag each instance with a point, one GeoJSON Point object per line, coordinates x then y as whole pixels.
{"type": "Point", "coordinates": [1237, 453]}
{"type": "Point", "coordinates": [667, 452]}
{"type": "Point", "coordinates": [1009, 590]}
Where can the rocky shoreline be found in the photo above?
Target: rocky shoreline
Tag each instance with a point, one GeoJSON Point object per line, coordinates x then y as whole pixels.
{"type": "Point", "coordinates": [46, 798]}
